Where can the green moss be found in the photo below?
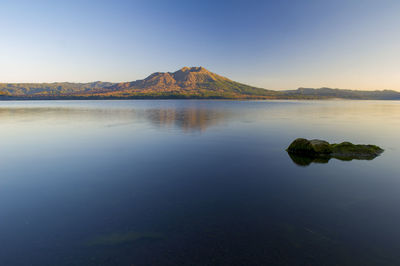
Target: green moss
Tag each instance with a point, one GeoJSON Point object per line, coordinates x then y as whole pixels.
{"type": "Point", "coordinates": [349, 150]}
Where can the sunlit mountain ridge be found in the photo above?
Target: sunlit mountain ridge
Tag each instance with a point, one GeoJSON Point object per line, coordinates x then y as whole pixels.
{"type": "Point", "coordinates": [186, 83]}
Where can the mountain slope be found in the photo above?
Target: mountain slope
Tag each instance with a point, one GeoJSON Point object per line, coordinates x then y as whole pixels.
{"type": "Point", "coordinates": [194, 82]}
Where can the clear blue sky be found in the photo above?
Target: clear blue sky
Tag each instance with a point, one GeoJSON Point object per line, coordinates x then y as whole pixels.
{"type": "Point", "coordinates": [271, 44]}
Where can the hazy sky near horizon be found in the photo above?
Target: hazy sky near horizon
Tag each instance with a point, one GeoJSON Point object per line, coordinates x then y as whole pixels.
{"type": "Point", "coordinates": [349, 44]}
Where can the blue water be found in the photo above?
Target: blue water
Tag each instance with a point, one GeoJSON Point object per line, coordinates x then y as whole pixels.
{"type": "Point", "coordinates": [196, 183]}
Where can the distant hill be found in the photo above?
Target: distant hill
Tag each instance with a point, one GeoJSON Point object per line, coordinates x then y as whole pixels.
{"type": "Point", "coordinates": [343, 94]}
{"type": "Point", "coordinates": [186, 83]}
{"type": "Point", "coordinates": [50, 89]}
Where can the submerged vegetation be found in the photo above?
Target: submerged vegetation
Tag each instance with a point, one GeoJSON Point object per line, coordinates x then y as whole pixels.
{"type": "Point", "coordinates": [123, 238]}
{"type": "Point", "coordinates": [304, 152]}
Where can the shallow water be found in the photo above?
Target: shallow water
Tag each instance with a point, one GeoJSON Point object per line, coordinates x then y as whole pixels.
{"type": "Point", "coordinates": [196, 183]}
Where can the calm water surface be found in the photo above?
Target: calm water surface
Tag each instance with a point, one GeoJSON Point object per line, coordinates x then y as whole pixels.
{"type": "Point", "coordinates": [196, 183]}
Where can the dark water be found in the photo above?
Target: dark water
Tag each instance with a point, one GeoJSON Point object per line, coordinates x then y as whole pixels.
{"type": "Point", "coordinates": [195, 183]}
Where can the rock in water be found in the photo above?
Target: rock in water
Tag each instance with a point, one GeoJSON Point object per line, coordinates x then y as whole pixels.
{"type": "Point", "coordinates": [311, 147]}
{"type": "Point", "coordinates": [322, 149]}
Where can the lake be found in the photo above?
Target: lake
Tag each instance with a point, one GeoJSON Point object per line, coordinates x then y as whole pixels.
{"type": "Point", "coordinates": [190, 182]}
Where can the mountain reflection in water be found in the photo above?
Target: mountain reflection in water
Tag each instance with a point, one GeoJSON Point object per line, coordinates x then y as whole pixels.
{"type": "Point", "coordinates": [185, 119]}
{"type": "Point", "coordinates": [188, 119]}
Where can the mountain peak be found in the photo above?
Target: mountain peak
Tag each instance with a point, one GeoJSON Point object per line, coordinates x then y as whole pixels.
{"type": "Point", "coordinates": [193, 69]}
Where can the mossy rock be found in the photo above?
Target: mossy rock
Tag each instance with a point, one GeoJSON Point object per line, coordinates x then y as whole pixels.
{"type": "Point", "coordinates": [348, 150]}
{"type": "Point", "coordinates": [321, 151]}
{"type": "Point", "coordinates": [315, 146]}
